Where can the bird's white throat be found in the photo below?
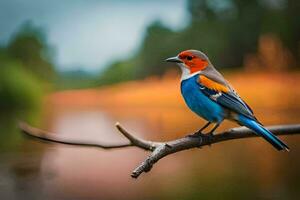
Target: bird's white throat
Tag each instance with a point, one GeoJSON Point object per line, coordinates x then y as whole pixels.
{"type": "Point", "coordinates": [186, 73]}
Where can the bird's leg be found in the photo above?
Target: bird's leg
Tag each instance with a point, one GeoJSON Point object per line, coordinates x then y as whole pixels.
{"type": "Point", "coordinates": [204, 127]}
{"type": "Point", "coordinates": [210, 134]}
{"type": "Point", "coordinates": [199, 132]}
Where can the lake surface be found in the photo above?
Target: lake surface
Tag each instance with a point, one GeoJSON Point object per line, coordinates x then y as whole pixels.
{"type": "Point", "coordinates": [247, 169]}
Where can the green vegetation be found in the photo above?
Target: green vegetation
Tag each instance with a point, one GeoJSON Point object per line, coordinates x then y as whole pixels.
{"type": "Point", "coordinates": [20, 91]}
{"type": "Point", "coordinates": [226, 30]}
{"type": "Point", "coordinates": [25, 75]}
{"type": "Point", "coordinates": [75, 79]}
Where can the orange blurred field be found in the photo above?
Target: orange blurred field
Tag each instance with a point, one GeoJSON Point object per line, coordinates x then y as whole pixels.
{"type": "Point", "coordinates": [158, 105]}
{"type": "Point", "coordinates": [270, 90]}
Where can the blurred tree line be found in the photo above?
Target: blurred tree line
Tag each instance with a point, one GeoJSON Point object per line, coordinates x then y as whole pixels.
{"type": "Point", "coordinates": [26, 71]}
{"type": "Point", "coordinates": [226, 30]}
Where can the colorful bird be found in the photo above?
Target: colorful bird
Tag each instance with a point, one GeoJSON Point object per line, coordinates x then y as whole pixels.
{"type": "Point", "coordinates": [210, 96]}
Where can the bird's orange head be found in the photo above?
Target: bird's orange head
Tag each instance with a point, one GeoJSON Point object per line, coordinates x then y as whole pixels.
{"type": "Point", "coordinates": [193, 60]}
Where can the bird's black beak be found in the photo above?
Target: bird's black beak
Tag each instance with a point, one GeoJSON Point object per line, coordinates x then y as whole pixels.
{"type": "Point", "coordinates": [174, 59]}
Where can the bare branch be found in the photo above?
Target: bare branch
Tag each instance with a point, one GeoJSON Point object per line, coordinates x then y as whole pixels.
{"type": "Point", "coordinates": [51, 137]}
{"type": "Point", "coordinates": [189, 142]}
{"type": "Point", "coordinates": [161, 149]}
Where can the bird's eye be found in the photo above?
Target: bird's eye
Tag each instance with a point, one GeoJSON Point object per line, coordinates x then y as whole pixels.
{"type": "Point", "coordinates": [189, 57]}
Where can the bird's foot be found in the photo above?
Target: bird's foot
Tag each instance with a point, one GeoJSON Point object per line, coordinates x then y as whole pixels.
{"type": "Point", "coordinates": [196, 134]}
{"type": "Point", "coordinates": [168, 145]}
{"type": "Point", "coordinates": [210, 137]}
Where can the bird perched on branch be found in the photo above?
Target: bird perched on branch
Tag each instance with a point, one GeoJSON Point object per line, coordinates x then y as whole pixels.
{"type": "Point", "coordinates": [210, 96]}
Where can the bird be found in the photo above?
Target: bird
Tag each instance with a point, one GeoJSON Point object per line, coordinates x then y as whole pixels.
{"type": "Point", "coordinates": [208, 94]}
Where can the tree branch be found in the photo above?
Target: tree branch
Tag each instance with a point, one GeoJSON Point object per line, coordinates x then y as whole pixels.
{"type": "Point", "coordinates": [160, 149]}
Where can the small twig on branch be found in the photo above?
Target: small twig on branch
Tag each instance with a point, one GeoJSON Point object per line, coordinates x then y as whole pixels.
{"type": "Point", "coordinates": [160, 149]}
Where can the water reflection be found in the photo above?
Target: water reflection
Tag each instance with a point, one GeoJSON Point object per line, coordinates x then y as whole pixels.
{"type": "Point", "coordinates": [228, 170]}
{"type": "Point", "coordinates": [250, 167]}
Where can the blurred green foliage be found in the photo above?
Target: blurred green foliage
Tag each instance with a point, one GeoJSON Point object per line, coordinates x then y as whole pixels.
{"type": "Point", "coordinates": [25, 75]}
{"type": "Point", "coordinates": [118, 72]}
{"type": "Point", "coordinates": [30, 48]}
{"type": "Point", "coordinates": [75, 79]}
{"type": "Point", "coordinates": [20, 91]}
{"type": "Point", "coordinates": [226, 30]}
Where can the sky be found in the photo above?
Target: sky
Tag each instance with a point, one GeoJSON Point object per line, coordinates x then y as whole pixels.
{"type": "Point", "coordinates": [90, 34]}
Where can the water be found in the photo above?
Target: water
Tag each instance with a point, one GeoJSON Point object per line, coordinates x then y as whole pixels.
{"type": "Point", "coordinates": [245, 169]}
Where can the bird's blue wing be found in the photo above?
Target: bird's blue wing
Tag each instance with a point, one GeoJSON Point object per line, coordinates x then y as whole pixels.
{"type": "Point", "coordinates": [227, 99]}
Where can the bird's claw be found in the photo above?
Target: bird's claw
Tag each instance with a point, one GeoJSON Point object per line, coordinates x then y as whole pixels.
{"type": "Point", "coordinates": [168, 145]}
{"type": "Point", "coordinates": [210, 137]}
{"type": "Point", "coordinates": [196, 135]}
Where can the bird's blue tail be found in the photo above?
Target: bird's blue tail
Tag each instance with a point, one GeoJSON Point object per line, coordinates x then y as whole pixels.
{"type": "Point", "coordinates": [261, 131]}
